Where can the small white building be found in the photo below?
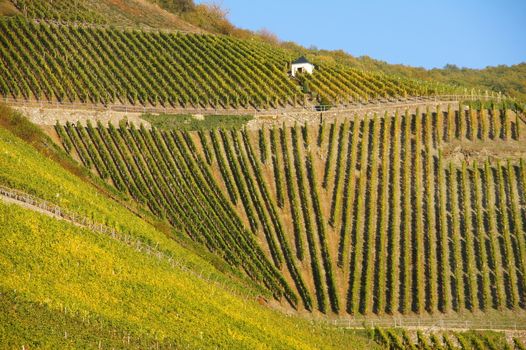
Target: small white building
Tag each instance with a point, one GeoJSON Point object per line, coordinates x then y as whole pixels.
{"type": "Point", "coordinates": [301, 65]}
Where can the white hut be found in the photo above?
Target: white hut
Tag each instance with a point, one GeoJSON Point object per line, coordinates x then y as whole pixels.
{"type": "Point", "coordinates": [302, 65]}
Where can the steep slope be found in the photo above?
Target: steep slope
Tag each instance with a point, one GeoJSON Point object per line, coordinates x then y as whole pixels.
{"type": "Point", "coordinates": [71, 276]}
{"type": "Point", "coordinates": [368, 215]}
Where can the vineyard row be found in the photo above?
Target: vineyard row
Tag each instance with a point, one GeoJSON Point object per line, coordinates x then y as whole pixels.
{"type": "Point", "coordinates": [383, 220]}
{"type": "Point", "coordinates": [67, 63]}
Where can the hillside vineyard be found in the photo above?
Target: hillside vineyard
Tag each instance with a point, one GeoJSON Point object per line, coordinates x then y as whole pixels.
{"type": "Point", "coordinates": [169, 180]}
{"type": "Point", "coordinates": [363, 215]}
{"type": "Point", "coordinates": [87, 64]}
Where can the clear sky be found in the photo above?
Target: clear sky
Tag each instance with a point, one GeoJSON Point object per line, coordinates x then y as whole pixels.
{"type": "Point", "coordinates": [426, 33]}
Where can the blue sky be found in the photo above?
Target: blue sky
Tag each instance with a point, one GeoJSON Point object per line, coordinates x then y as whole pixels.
{"type": "Point", "coordinates": [426, 33]}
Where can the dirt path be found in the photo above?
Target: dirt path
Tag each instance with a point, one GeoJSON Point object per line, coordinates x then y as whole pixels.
{"type": "Point", "coordinates": [9, 200]}
{"type": "Point", "coordinates": [40, 206]}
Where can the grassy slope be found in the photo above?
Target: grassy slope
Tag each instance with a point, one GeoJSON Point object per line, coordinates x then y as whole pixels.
{"type": "Point", "coordinates": [36, 325]}
{"type": "Point", "coordinates": [60, 265]}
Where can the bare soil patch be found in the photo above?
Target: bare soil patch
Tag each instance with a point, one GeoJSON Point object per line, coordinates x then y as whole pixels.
{"type": "Point", "coordinates": [480, 151]}
{"type": "Point", "coordinates": [8, 9]}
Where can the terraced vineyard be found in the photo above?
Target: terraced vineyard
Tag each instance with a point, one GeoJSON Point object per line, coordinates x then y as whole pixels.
{"type": "Point", "coordinates": [86, 64]}
{"type": "Point", "coordinates": [374, 215]}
